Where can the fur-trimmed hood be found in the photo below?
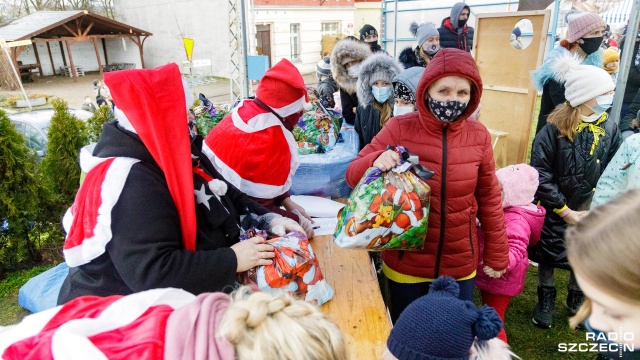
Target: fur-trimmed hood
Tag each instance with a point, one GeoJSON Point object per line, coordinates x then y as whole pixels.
{"type": "Point", "coordinates": [347, 49]}
{"type": "Point", "coordinates": [546, 71]}
{"type": "Point", "coordinates": [376, 67]}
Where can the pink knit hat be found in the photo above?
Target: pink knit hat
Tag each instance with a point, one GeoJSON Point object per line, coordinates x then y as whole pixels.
{"type": "Point", "coordinates": [582, 23]}
{"type": "Point", "coordinates": [519, 184]}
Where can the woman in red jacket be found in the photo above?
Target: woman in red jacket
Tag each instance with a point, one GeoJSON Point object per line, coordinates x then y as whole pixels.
{"type": "Point", "coordinates": [464, 185]}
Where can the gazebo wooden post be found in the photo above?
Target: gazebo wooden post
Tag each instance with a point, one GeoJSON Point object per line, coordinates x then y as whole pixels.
{"type": "Point", "coordinates": [14, 59]}
{"type": "Point", "coordinates": [73, 68]}
{"type": "Point", "coordinates": [95, 47]}
{"type": "Point", "coordinates": [35, 51]}
{"type": "Point", "coordinates": [104, 50]}
{"type": "Point", "coordinates": [53, 67]}
{"type": "Point", "coordinates": [64, 60]}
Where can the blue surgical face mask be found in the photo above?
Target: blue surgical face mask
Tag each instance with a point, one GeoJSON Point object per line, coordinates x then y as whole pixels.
{"type": "Point", "coordinates": [381, 94]}
{"type": "Point", "coordinates": [604, 103]}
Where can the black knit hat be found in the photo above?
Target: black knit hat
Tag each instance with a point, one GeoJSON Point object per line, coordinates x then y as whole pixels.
{"type": "Point", "coordinates": [367, 30]}
{"type": "Point", "coordinates": [441, 326]}
{"type": "Point", "coordinates": [323, 68]}
{"type": "Point", "coordinates": [402, 91]}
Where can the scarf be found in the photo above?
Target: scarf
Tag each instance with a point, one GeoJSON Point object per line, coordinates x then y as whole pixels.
{"type": "Point", "coordinates": [192, 330]}
{"type": "Point", "coordinates": [595, 129]}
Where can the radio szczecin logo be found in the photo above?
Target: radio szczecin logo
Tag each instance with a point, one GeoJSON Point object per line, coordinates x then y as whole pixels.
{"type": "Point", "coordinates": [613, 342]}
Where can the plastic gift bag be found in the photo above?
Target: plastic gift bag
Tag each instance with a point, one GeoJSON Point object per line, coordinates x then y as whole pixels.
{"type": "Point", "coordinates": [295, 269]}
{"type": "Point", "coordinates": [209, 115]}
{"type": "Point", "coordinates": [386, 210]}
{"type": "Point", "coordinates": [317, 126]}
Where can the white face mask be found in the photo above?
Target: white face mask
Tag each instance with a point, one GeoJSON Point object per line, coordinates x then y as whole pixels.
{"type": "Point", "coordinates": [402, 109]}
{"type": "Point", "coordinates": [590, 118]}
{"type": "Point", "coordinates": [354, 70]}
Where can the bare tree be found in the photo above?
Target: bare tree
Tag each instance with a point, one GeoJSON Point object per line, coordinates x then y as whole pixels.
{"type": "Point", "coordinates": [106, 7]}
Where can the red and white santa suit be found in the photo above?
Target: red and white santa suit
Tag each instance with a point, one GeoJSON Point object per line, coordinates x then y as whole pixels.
{"type": "Point", "coordinates": [253, 147]}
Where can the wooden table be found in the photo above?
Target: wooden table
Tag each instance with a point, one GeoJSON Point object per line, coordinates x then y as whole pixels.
{"type": "Point", "coordinates": [357, 305]}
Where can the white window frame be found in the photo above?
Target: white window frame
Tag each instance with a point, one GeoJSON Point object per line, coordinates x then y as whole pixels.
{"type": "Point", "coordinates": [324, 31]}
{"type": "Point", "coordinates": [294, 41]}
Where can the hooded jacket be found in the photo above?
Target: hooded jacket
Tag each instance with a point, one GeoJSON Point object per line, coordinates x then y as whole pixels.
{"type": "Point", "coordinates": [354, 50]}
{"type": "Point", "coordinates": [454, 36]}
{"type": "Point", "coordinates": [463, 187]}
{"type": "Point", "coordinates": [569, 174]}
{"type": "Point", "coordinates": [546, 80]}
{"type": "Point", "coordinates": [408, 58]}
{"type": "Point", "coordinates": [622, 174]}
{"type": "Point", "coordinates": [523, 228]}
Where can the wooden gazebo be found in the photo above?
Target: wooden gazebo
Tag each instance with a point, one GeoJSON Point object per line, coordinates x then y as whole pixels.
{"type": "Point", "coordinates": [68, 27]}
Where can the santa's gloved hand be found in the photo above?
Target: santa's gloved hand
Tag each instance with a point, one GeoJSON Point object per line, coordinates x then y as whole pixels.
{"type": "Point", "coordinates": [306, 224]}
{"type": "Point", "coordinates": [280, 225]}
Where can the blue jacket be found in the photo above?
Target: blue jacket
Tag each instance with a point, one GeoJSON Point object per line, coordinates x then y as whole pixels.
{"type": "Point", "coordinates": [622, 173]}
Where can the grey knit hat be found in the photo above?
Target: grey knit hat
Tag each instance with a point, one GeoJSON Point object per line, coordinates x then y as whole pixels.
{"type": "Point", "coordinates": [423, 31]}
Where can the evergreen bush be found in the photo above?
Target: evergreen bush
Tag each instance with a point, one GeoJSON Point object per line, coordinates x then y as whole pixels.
{"type": "Point", "coordinates": [94, 124]}
{"type": "Point", "coordinates": [20, 187]}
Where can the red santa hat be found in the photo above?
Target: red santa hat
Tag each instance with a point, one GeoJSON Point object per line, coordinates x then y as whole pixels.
{"type": "Point", "coordinates": [282, 89]}
{"type": "Point", "coordinates": [153, 102]}
{"type": "Point", "coordinates": [250, 147]}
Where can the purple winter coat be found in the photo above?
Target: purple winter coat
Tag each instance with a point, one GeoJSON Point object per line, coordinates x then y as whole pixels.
{"type": "Point", "coordinates": [523, 229]}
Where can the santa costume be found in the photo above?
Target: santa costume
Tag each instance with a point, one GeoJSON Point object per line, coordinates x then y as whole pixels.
{"type": "Point", "coordinates": [253, 147]}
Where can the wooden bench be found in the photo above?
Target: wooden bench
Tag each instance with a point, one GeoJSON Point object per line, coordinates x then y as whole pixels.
{"type": "Point", "coordinates": [499, 145]}
{"type": "Point", "coordinates": [357, 306]}
{"type": "Point", "coordinates": [28, 71]}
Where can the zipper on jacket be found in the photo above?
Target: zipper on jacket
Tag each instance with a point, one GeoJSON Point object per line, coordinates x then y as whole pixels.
{"type": "Point", "coordinates": [442, 201]}
{"type": "Point", "coordinates": [473, 253]}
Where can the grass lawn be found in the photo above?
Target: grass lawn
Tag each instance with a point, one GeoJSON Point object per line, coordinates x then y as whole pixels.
{"type": "Point", "coordinates": [10, 311]}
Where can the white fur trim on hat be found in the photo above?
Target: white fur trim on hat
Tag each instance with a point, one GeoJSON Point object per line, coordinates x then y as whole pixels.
{"type": "Point", "coordinates": [293, 107]}
{"type": "Point", "coordinates": [582, 82]}
{"type": "Point", "coordinates": [218, 187]}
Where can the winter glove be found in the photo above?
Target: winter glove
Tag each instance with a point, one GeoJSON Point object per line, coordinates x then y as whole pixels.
{"type": "Point", "coordinates": [278, 224]}
{"type": "Point", "coordinates": [305, 223]}
{"type": "Point", "coordinates": [493, 273]}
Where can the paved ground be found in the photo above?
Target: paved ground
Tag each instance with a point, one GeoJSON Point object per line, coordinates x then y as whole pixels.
{"type": "Point", "coordinates": [74, 92]}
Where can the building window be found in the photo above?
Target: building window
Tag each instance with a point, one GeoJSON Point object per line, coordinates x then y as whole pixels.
{"type": "Point", "coordinates": [295, 41]}
{"type": "Point", "coordinates": [330, 28]}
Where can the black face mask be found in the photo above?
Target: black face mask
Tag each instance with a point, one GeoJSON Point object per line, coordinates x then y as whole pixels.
{"type": "Point", "coordinates": [462, 23]}
{"type": "Point", "coordinates": [374, 46]}
{"type": "Point", "coordinates": [591, 45]}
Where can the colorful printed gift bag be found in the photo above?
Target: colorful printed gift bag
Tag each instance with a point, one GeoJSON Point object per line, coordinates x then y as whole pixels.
{"type": "Point", "coordinates": [317, 126]}
{"type": "Point", "coordinates": [295, 269]}
{"type": "Point", "coordinates": [386, 210]}
{"type": "Point", "coordinates": [209, 115]}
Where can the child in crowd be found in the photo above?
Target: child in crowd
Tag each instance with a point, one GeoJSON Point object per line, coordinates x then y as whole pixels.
{"type": "Point", "coordinates": [570, 153]}
{"type": "Point", "coordinates": [404, 90]}
{"type": "Point", "coordinates": [523, 221]}
{"type": "Point", "coordinates": [622, 173]}
{"type": "Point", "coordinates": [374, 90]}
{"type": "Point", "coordinates": [326, 85]}
{"type": "Point", "coordinates": [88, 105]}
{"type": "Point", "coordinates": [515, 39]}
{"type": "Point", "coordinates": [440, 326]}
{"type": "Point", "coordinates": [603, 249]}
{"type": "Point", "coordinates": [428, 46]}
{"type": "Point", "coordinates": [611, 62]}
{"type": "Point", "coordinates": [174, 324]}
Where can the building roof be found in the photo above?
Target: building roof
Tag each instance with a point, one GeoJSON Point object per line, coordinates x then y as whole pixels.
{"type": "Point", "coordinates": [54, 24]}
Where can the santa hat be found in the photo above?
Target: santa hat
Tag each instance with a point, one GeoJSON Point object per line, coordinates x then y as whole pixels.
{"type": "Point", "coordinates": [250, 147]}
{"type": "Point", "coordinates": [519, 184]}
{"type": "Point", "coordinates": [282, 89]}
{"type": "Point", "coordinates": [153, 103]}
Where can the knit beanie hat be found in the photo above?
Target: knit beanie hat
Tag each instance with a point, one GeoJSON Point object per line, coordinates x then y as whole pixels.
{"type": "Point", "coordinates": [423, 31]}
{"type": "Point", "coordinates": [517, 32]}
{"type": "Point", "coordinates": [440, 326]}
{"type": "Point", "coordinates": [405, 84]}
{"type": "Point", "coordinates": [519, 184]}
{"type": "Point", "coordinates": [367, 30]}
{"type": "Point", "coordinates": [401, 91]}
{"type": "Point", "coordinates": [581, 82]}
{"type": "Point", "coordinates": [610, 55]}
{"type": "Point", "coordinates": [323, 68]}
{"type": "Point", "coordinates": [582, 23]}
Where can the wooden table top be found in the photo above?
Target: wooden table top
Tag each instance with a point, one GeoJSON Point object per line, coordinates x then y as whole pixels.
{"type": "Point", "coordinates": [357, 305]}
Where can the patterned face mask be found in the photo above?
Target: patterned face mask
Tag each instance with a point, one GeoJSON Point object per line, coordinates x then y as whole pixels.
{"type": "Point", "coordinates": [446, 111]}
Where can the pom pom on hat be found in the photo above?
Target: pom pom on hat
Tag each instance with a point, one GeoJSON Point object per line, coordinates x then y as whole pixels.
{"type": "Point", "coordinates": [323, 68]}
{"type": "Point", "coordinates": [582, 23]}
{"type": "Point", "coordinates": [282, 88]}
{"type": "Point", "coordinates": [516, 31]}
{"type": "Point", "coordinates": [423, 31]}
{"type": "Point", "coordinates": [582, 82]}
{"type": "Point", "coordinates": [218, 187]}
{"type": "Point", "coordinates": [519, 184]}
{"type": "Point", "coordinates": [441, 326]}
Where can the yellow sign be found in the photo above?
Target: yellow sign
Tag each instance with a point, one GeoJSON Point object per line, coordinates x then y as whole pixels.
{"type": "Point", "coordinates": [15, 43]}
{"type": "Point", "coordinates": [188, 47]}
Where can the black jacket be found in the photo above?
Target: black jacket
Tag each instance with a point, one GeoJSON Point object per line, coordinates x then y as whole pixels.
{"type": "Point", "coordinates": [449, 36]}
{"type": "Point", "coordinates": [348, 102]}
{"type": "Point", "coordinates": [632, 113]}
{"type": "Point", "coordinates": [367, 124]}
{"type": "Point", "coordinates": [633, 81]}
{"type": "Point", "coordinates": [325, 89]}
{"type": "Point", "coordinates": [568, 176]}
{"type": "Point", "coordinates": [552, 96]}
{"type": "Point", "coordinates": [146, 250]}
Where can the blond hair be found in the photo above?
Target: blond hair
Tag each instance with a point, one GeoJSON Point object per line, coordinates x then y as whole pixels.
{"type": "Point", "coordinates": [385, 111]}
{"type": "Point", "coordinates": [425, 57]}
{"type": "Point", "coordinates": [266, 327]}
{"type": "Point", "coordinates": [604, 249]}
{"type": "Point", "coordinates": [566, 118]}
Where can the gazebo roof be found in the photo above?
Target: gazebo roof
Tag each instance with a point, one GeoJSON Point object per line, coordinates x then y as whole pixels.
{"type": "Point", "coordinates": [56, 24]}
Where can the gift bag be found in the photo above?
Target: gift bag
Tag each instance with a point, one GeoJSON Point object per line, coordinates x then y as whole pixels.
{"type": "Point", "coordinates": [295, 269]}
{"type": "Point", "coordinates": [386, 210]}
{"type": "Point", "coordinates": [317, 126]}
{"type": "Point", "coordinates": [209, 115]}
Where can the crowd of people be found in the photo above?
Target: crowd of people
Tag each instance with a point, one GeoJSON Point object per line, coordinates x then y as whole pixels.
{"type": "Point", "coordinates": [161, 207]}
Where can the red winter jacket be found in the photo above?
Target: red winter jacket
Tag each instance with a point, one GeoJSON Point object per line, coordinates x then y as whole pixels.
{"type": "Point", "coordinates": [464, 185]}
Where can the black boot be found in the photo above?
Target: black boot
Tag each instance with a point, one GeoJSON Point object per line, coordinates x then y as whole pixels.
{"type": "Point", "coordinates": [575, 298]}
{"type": "Point", "coordinates": [543, 311]}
